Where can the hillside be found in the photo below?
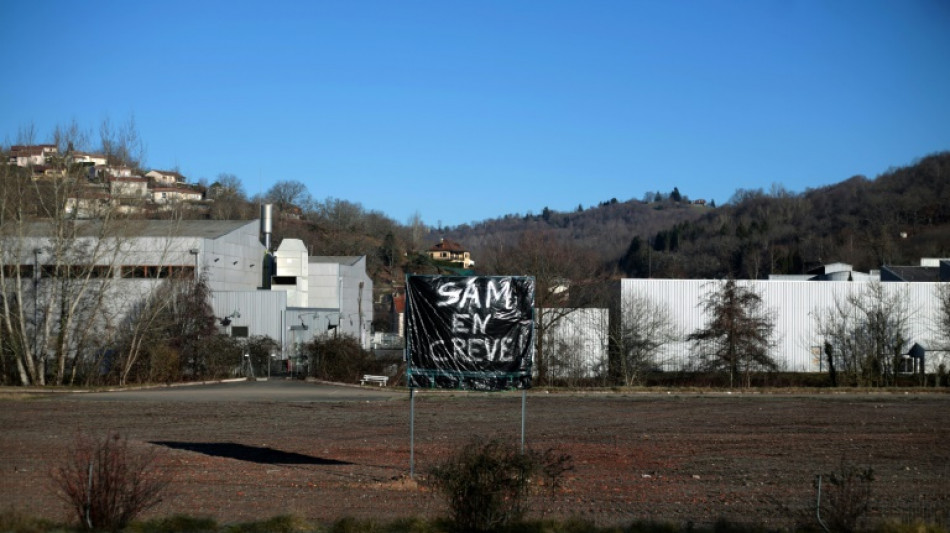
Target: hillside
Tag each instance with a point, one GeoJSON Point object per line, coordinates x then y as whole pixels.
{"type": "Point", "coordinates": [897, 218]}
{"type": "Point", "coordinates": [606, 229]}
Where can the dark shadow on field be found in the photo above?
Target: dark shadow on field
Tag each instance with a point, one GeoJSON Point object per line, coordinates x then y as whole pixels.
{"type": "Point", "coordinates": [253, 454]}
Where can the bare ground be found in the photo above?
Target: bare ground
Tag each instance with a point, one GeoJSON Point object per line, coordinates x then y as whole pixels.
{"type": "Point", "coordinates": [675, 457]}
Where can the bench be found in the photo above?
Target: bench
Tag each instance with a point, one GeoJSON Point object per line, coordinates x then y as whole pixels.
{"type": "Point", "coordinates": [368, 378]}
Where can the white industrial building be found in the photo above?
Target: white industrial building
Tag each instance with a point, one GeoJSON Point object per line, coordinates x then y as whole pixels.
{"type": "Point", "coordinates": [575, 342]}
{"type": "Point", "coordinates": [795, 306]}
{"type": "Point", "coordinates": [296, 299]}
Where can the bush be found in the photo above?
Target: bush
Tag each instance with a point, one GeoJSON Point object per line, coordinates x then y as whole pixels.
{"type": "Point", "coordinates": [106, 483]}
{"type": "Point", "coordinates": [487, 484]}
{"type": "Point", "coordinates": [846, 496]}
{"type": "Point", "coordinates": [339, 358]}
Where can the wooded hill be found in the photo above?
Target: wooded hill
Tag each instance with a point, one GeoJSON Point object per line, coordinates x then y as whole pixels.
{"type": "Point", "coordinates": [895, 219]}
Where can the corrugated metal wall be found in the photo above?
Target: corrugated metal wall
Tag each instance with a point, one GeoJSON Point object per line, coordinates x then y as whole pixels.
{"type": "Point", "coordinates": [795, 307]}
{"type": "Point", "coordinates": [261, 311]}
{"type": "Point", "coordinates": [576, 342]}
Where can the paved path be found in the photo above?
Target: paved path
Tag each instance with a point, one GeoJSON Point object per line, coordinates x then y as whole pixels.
{"type": "Point", "coordinates": [273, 390]}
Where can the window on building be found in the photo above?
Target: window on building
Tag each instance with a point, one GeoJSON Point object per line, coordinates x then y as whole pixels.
{"type": "Point", "coordinates": [158, 271]}
{"type": "Point", "coordinates": [239, 331]}
{"type": "Point", "coordinates": [10, 271]}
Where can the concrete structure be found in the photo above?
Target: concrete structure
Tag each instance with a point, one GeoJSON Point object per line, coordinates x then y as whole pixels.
{"type": "Point", "coordinates": [328, 294]}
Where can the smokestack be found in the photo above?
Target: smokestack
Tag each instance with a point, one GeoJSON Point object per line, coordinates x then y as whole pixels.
{"type": "Point", "coordinates": [267, 224]}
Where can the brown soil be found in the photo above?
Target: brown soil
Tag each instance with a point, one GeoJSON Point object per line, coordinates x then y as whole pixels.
{"type": "Point", "coordinates": [663, 456]}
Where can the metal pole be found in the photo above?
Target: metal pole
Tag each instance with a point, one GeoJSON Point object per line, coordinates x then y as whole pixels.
{"type": "Point", "coordinates": [524, 396]}
{"type": "Point", "coordinates": [818, 508]}
{"type": "Point", "coordinates": [412, 432]}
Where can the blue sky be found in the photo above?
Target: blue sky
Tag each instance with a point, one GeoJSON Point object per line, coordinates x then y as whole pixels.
{"type": "Point", "coordinates": [463, 111]}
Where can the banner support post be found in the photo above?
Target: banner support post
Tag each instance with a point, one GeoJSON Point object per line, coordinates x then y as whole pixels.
{"type": "Point", "coordinates": [412, 432]}
{"type": "Point", "coordinates": [524, 396]}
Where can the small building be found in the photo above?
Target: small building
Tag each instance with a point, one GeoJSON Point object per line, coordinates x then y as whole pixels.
{"type": "Point", "coordinates": [165, 177]}
{"type": "Point", "coordinates": [89, 159]}
{"type": "Point", "coordinates": [829, 272]}
{"type": "Point", "coordinates": [929, 270]}
{"type": "Point", "coordinates": [451, 252]}
{"type": "Point", "coordinates": [169, 195]}
{"type": "Point", "coordinates": [31, 155]}
{"type": "Point", "coordinates": [128, 187]}
{"type": "Point", "coordinates": [327, 293]}
{"type": "Point", "coordinates": [92, 201]}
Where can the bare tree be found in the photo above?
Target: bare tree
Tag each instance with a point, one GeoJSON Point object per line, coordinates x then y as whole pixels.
{"type": "Point", "coordinates": [738, 332]}
{"type": "Point", "coordinates": [644, 329]}
{"type": "Point", "coordinates": [288, 194]}
{"type": "Point", "coordinates": [229, 199]}
{"type": "Point", "coordinates": [942, 326]}
{"type": "Point", "coordinates": [562, 272]}
{"type": "Point", "coordinates": [56, 271]}
{"type": "Point", "coordinates": [576, 347]}
{"type": "Point", "coordinates": [417, 232]}
{"type": "Point", "coordinates": [122, 145]}
{"type": "Point", "coordinates": [176, 315]}
{"type": "Point", "coordinates": [867, 332]}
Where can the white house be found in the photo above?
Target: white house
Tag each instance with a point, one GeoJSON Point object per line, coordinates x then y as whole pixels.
{"type": "Point", "coordinates": [165, 177]}
{"type": "Point", "coordinates": [169, 195]}
{"type": "Point", "coordinates": [128, 187]}
{"type": "Point", "coordinates": [31, 155]}
{"type": "Point", "coordinates": [95, 160]}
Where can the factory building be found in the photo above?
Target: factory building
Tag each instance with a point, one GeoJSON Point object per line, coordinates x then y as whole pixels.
{"type": "Point", "coordinates": [286, 295]}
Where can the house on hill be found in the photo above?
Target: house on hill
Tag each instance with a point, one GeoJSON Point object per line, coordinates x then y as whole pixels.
{"type": "Point", "coordinates": [451, 252]}
{"type": "Point", "coordinates": [165, 177]}
{"type": "Point", "coordinates": [31, 155]}
{"type": "Point", "coordinates": [168, 195]}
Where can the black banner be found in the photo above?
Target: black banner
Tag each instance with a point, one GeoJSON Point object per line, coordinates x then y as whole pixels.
{"type": "Point", "coordinates": [470, 332]}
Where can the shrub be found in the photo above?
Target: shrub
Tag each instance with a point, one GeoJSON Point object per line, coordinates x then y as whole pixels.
{"type": "Point", "coordinates": [487, 484]}
{"type": "Point", "coordinates": [846, 497]}
{"type": "Point", "coordinates": [339, 358]}
{"type": "Point", "coordinates": [106, 483]}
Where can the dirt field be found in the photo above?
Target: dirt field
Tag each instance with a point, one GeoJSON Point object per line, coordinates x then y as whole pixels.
{"type": "Point", "coordinates": [666, 456]}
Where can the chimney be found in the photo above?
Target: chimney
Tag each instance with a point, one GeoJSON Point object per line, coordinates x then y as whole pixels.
{"type": "Point", "coordinates": [267, 224]}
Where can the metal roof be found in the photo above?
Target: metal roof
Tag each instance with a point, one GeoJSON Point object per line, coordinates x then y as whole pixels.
{"type": "Point", "coordinates": [913, 273]}
{"type": "Point", "coordinates": [205, 229]}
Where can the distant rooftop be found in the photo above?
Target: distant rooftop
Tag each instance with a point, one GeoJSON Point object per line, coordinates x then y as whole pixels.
{"type": "Point", "coordinates": [205, 229]}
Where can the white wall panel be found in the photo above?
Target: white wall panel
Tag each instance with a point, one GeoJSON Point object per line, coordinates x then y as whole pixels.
{"type": "Point", "coordinates": [793, 306]}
